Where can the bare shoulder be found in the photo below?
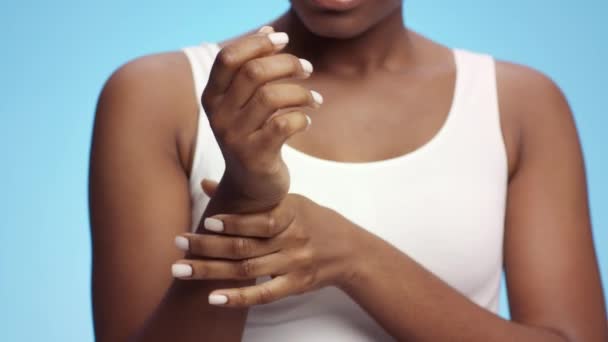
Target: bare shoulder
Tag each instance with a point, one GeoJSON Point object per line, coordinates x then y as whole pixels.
{"type": "Point", "coordinates": [152, 97]}
{"type": "Point", "coordinates": [528, 90]}
{"type": "Point", "coordinates": [547, 223]}
{"type": "Point", "coordinates": [533, 109]}
{"type": "Point", "coordinates": [151, 80]}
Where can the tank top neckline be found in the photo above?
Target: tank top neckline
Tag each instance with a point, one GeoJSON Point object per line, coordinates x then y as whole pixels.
{"type": "Point", "coordinates": [411, 155]}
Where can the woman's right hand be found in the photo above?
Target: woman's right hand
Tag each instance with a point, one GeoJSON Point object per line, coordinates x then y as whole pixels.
{"type": "Point", "coordinates": [240, 99]}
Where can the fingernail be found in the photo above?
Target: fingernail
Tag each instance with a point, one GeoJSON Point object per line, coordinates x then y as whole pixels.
{"type": "Point", "coordinates": [306, 66]}
{"type": "Point", "coordinates": [181, 270]}
{"type": "Point", "coordinates": [216, 299]}
{"type": "Point", "coordinates": [278, 38]}
{"type": "Point", "coordinates": [182, 243]}
{"type": "Point", "coordinates": [266, 29]}
{"type": "Point", "coordinates": [309, 121]}
{"type": "Point", "coordinates": [214, 224]}
{"type": "Point", "coordinates": [317, 97]}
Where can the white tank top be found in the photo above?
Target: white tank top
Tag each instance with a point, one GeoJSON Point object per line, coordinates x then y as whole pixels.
{"type": "Point", "coordinates": [442, 204]}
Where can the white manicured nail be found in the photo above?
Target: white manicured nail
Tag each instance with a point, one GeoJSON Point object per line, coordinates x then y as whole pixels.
{"type": "Point", "coordinates": [182, 243]}
{"type": "Point", "coordinates": [317, 97]}
{"type": "Point", "coordinates": [216, 299]}
{"type": "Point", "coordinates": [214, 224]}
{"type": "Point", "coordinates": [306, 66]}
{"type": "Point", "coordinates": [308, 120]}
{"type": "Point", "coordinates": [278, 38]}
{"type": "Point", "coordinates": [181, 270]}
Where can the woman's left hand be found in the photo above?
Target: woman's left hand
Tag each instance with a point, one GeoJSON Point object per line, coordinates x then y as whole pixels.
{"type": "Point", "coordinates": [302, 245]}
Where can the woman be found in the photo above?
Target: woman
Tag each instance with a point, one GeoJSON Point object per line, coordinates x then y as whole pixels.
{"type": "Point", "coordinates": [425, 169]}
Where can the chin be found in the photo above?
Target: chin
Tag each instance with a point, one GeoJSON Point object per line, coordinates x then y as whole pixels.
{"type": "Point", "coordinates": [342, 19]}
{"type": "Point", "coordinates": [331, 26]}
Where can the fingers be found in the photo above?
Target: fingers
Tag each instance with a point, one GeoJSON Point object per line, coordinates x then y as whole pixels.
{"type": "Point", "coordinates": [270, 98]}
{"type": "Point", "coordinates": [264, 293]}
{"type": "Point", "coordinates": [266, 29]}
{"type": "Point", "coordinates": [225, 247]}
{"type": "Point", "coordinates": [241, 99]}
{"type": "Point", "coordinates": [261, 225]}
{"type": "Point", "coordinates": [193, 269]}
{"type": "Point", "coordinates": [209, 187]}
{"type": "Point", "coordinates": [232, 57]}
{"type": "Point", "coordinates": [257, 72]}
{"type": "Point", "coordinates": [277, 130]}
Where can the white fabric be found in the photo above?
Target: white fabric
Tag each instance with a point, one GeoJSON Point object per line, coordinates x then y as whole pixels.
{"type": "Point", "coordinates": [442, 204]}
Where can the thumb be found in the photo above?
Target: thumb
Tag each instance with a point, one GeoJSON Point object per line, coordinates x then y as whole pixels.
{"type": "Point", "coordinates": [209, 186]}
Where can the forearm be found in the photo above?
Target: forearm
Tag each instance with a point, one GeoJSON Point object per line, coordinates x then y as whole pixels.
{"type": "Point", "coordinates": [410, 303]}
{"type": "Point", "coordinates": [184, 313]}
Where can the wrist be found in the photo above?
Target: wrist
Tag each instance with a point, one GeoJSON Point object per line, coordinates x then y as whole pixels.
{"type": "Point", "coordinates": [357, 258]}
{"type": "Point", "coordinates": [227, 199]}
{"type": "Point", "coordinates": [232, 199]}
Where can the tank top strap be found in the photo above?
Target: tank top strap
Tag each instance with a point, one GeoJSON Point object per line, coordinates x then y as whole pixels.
{"type": "Point", "coordinates": [208, 161]}
{"type": "Point", "coordinates": [201, 59]}
{"type": "Point", "coordinates": [478, 79]}
{"type": "Point", "coordinates": [477, 116]}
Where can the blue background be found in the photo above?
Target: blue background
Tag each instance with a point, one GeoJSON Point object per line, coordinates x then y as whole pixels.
{"type": "Point", "coordinates": [56, 55]}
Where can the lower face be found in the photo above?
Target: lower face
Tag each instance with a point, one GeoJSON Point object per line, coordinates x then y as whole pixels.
{"type": "Point", "coordinates": [342, 19]}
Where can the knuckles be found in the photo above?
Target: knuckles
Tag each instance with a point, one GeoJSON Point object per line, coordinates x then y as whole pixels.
{"type": "Point", "coordinates": [242, 299]}
{"type": "Point", "coordinates": [228, 57]}
{"type": "Point", "coordinates": [265, 295]}
{"type": "Point", "coordinates": [241, 248]}
{"type": "Point", "coordinates": [254, 70]}
{"type": "Point", "coordinates": [299, 236]}
{"type": "Point", "coordinates": [280, 126]}
{"type": "Point", "coordinates": [304, 258]}
{"type": "Point", "coordinates": [246, 269]}
{"type": "Point", "coordinates": [267, 96]}
{"type": "Point", "coordinates": [310, 280]}
{"type": "Point", "coordinates": [271, 226]}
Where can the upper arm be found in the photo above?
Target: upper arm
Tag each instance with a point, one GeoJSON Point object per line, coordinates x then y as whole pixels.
{"type": "Point", "coordinates": [550, 263]}
{"type": "Point", "coordinates": [139, 198]}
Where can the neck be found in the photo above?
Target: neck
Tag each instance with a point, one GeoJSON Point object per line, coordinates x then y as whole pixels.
{"type": "Point", "coordinates": [386, 45]}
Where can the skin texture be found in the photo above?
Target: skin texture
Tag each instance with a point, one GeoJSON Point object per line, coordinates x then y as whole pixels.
{"type": "Point", "coordinates": [143, 141]}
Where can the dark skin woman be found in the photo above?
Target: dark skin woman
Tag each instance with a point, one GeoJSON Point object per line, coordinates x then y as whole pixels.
{"type": "Point", "coordinates": [142, 154]}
